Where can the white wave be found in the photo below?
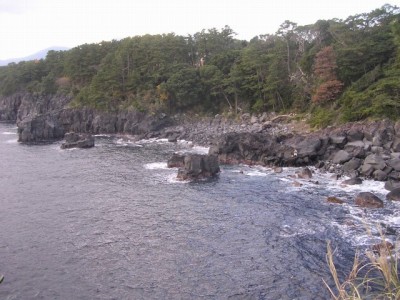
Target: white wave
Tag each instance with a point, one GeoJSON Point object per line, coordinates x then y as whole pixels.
{"type": "Point", "coordinates": [153, 141]}
{"type": "Point", "coordinates": [8, 133]}
{"type": "Point", "coordinates": [156, 166]}
{"type": "Point", "coordinates": [103, 135]}
{"type": "Point", "coordinates": [173, 179]}
{"type": "Point", "coordinates": [200, 149]}
{"type": "Point", "coordinates": [255, 173]}
{"type": "Point", "coordinates": [394, 220]}
{"type": "Point", "coordinates": [297, 230]}
{"type": "Point", "coordinates": [185, 143]}
{"type": "Point", "coordinates": [11, 141]}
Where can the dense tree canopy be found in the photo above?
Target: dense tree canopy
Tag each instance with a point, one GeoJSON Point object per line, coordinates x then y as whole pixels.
{"type": "Point", "coordinates": [350, 67]}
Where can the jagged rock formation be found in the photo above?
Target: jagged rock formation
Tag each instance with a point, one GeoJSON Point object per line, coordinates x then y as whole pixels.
{"type": "Point", "coordinates": [369, 149]}
{"type": "Point", "coordinates": [47, 118]}
{"type": "Point", "coordinates": [198, 166]}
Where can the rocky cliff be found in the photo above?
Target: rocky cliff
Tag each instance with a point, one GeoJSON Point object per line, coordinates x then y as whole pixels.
{"type": "Point", "coordinates": [48, 118]}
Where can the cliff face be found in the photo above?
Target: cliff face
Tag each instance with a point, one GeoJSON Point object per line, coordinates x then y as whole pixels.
{"type": "Point", "coordinates": [47, 118]}
{"type": "Point", "coordinates": [9, 107]}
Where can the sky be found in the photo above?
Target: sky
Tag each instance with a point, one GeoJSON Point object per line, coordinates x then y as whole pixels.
{"type": "Point", "coordinates": [28, 26]}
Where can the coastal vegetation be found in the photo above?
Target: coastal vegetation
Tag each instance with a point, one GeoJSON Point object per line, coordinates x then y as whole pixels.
{"type": "Point", "coordinates": [374, 278]}
{"type": "Point", "coordinates": [335, 70]}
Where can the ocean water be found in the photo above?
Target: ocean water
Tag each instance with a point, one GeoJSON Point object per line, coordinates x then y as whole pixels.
{"type": "Point", "coordinates": [112, 222]}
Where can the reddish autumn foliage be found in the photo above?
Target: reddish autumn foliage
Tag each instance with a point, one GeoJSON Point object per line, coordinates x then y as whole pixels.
{"type": "Point", "coordinates": [325, 70]}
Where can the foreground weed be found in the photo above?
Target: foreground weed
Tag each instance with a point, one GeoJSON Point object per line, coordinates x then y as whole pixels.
{"type": "Point", "coordinates": [381, 279]}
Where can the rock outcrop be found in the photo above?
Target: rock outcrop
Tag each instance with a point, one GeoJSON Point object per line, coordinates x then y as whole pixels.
{"type": "Point", "coordinates": [198, 166]}
{"type": "Point", "coordinates": [75, 140]}
{"type": "Point", "coordinates": [367, 149]}
{"type": "Point", "coordinates": [40, 128]}
{"type": "Point", "coordinates": [46, 118]}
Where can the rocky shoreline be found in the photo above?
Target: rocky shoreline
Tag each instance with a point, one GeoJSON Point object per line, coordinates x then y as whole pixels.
{"type": "Point", "coordinates": [363, 149]}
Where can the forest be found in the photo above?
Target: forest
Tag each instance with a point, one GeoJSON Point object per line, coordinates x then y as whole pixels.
{"type": "Point", "coordinates": [334, 71]}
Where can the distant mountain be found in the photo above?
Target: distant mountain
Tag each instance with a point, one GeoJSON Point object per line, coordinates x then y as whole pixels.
{"type": "Point", "coordinates": [39, 55]}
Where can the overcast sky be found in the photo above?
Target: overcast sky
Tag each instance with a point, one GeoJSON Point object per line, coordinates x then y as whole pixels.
{"type": "Point", "coordinates": [27, 26]}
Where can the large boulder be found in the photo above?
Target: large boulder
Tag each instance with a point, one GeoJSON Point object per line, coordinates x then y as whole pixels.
{"type": "Point", "coordinates": [394, 163]}
{"type": "Point", "coordinates": [341, 157]}
{"type": "Point", "coordinates": [371, 163]}
{"type": "Point", "coordinates": [198, 166]}
{"type": "Point", "coordinates": [75, 140]}
{"type": "Point", "coordinates": [352, 165]}
{"type": "Point", "coordinates": [368, 200]}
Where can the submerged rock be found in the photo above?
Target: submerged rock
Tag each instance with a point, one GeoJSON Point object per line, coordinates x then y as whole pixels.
{"type": "Point", "coordinates": [305, 173]}
{"type": "Point", "coordinates": [75, 140]}
{"type": "Point", "coordinates": [368, 200]}
{"type": "Point", "coordinates": [198, 166]}
{"type": "Point", "coordinates": [334, 200]}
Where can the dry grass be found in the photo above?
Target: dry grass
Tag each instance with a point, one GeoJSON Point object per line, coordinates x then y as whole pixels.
{"type": "Point", "coordinates": [381, 279]}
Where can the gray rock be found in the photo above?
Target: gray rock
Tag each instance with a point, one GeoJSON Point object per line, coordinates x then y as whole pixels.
{"type": "Point", "coordinates": [341, 157]}
{"type": "Point", "coordinates": [339, 140]}
{"type": "Point", "coordinates": [354, 135]}
{"type": "Point", "coordinates": [394, 195]}
{"type": "Point", "coordinates": [376, 161]}
{"type": "Point", "coordinates": [368, 200]}
{"type": "Point", "coordinates": [308, 147]}
{"type": "Point", "coordinates": [392, 184]}
{"type": "Point", "coordinates": [352, 165]}
{"type": "Point", "coordinates": [304, 173]}
{"type": "Point", "coordinates": [198, 166]}
{"type": "Point", "coordinates": [176, 161]}
{"type": "Point", "coordinates": [395, 155]}
{"type": "Point", "coordinates": [367, 170]}
{"type": "Point", "coordinates": [394, 163]}
{"type": "Point", "coordinates": [380, 175]}
{"type": "Point", "coordinates": [75, 140]}
{"type": "Point", "coordinates": [377, 141]}
{"type": "Point", "coordinates": [377, 149]}
{"type": "Point", "coordinates": [253, 119]}
{"type": "Point", "coordinates": [354, 145]}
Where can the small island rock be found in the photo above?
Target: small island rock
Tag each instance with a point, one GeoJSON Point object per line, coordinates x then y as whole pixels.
{"type": "Point", "coordinates": [75, 140]}
{"type": "Point", "coordinates": [198, 166]}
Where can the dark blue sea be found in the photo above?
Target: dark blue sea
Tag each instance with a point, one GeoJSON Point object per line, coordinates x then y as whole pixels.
{"type": "Point", "coordinates": [112, 222]}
